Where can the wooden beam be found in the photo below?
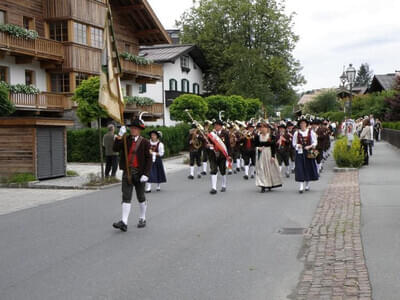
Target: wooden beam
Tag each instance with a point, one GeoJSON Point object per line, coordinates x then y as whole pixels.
{"type": "Point", "coordinates": [47, 65]}
{"type": "Point", "coordinates": [146, 33]}
{"type": "Point", "coordinates": [23, 60]}
{"type": "Point", "coordinates": [127, 9]}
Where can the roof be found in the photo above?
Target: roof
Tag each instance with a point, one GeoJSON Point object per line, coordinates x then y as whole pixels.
{"type": "Point", "coordinates": [386, 81]}
{"type": "Point", "coordinates": [169, 53]}
{"type": "Point", "coordinates": [306, 98]}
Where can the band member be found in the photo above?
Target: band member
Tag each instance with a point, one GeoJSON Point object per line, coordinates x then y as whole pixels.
{"type": "Point", "coordinates": [284, 147]}
{"type": "Point", "coordinates": [157, 173]}
{"type": "Point", "coordinates": [195, 142]}
{"type": "Point", "coordinates": [217, 159]}
{"type": "Point", "coordinates": [304, 140]}
{"type": "Point", "coordinates": [248, 151]}
{"type": "Point", "coordinates": [139, 161]}
{"type": "Point", "coordinates": [234, 139]}
{"type": "Point", "coordinates": [291, 129]}
{"type": "Point", "coordinates": [322, 140]}
{"type": "Point", "coordinates": [267, 169]}
{"type": "Point", "coordinates": [204, 149]}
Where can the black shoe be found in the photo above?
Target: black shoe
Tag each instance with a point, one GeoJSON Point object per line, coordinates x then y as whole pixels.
{"type": "Point", "coordinates": [213, 192]}
{"type": "Point", "coordinates": [293, 171]}
{"type": "Point", "coordinates": [230, 173]}
{"type": "Point", "coordinates": [301, 191]}
{"type": "Point", "coordinates": [142, 223]}
{"type": "Point", "coordinates": [203, 173]}
{"type": "Point", "coordinates": [246, 177]}
{"type": "Point", "coordinates": [287, 175]}
{"type": "Point", "coordinates": [237, 169]}
{"type": "Point", "coordinates": [147, 192]}
{"type": "Point", "coordinates": [121, 226]}
{"type": "Point", "coordinates": [234, 172]}
{"type": "Point", "coordinates": [223, 189]}
{"type": "Point", "coordinates": [199, 176]}
{"type": "Point", "coordinates": [252, 176]}
{"type": "Point", "coordinates": [263, 190]}
{"type": "Point", "coordinates": [307, 189]}
{"type": "Point", "coordinates": [191, 177]}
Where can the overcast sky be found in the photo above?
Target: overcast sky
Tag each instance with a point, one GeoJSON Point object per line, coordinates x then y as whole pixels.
{"type": "Point", "coordinates": [332, 34]}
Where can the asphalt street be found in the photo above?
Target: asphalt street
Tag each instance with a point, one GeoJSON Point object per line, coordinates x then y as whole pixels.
{"type": "Point", "coordinates": [196, 246]}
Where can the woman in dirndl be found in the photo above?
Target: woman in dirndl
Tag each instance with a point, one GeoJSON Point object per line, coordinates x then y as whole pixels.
{"type": "Point", "coordinates": [305, 141]}
{"type": "Point", "coordinates": [157, 174]}
{"type": "Point", "coordinates": [267, 168]}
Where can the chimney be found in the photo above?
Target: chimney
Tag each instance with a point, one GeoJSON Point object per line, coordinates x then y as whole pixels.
{"type": "Point", "coordinates": [174, 34]}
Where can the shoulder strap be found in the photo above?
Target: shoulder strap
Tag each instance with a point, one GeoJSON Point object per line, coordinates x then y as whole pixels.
{"type": "Point", "coordinates": [138, 142]}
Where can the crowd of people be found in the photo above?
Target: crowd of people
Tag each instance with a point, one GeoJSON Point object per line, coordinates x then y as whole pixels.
{"type": "Point", "coordinates": [263, 151]}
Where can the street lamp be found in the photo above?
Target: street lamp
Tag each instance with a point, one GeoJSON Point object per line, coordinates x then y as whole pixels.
{"type": "Point", "coordinates": [351, 76]}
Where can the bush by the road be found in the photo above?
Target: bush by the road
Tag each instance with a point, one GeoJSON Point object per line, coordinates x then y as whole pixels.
{"type": "Point", "coordinates": [391, 125]}
{"type": "Point", "coordinates": [348, 157]}
{"type": "Point", "coordinates": [83, 144]}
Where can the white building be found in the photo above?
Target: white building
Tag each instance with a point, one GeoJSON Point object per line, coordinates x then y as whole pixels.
{"type": "Point", "coordinates": [183, 67]}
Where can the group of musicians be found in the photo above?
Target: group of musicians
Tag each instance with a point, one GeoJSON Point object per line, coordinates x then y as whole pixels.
{"type": "Point", "coordinates": [261, 149]}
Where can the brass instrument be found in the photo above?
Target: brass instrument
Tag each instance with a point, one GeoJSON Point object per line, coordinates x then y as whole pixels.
{"type": "Point", "coordinates": [196, 142]}
{"type": "Point", "coordinates": [199, 127]}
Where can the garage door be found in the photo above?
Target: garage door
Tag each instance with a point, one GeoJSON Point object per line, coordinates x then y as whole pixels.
{"type": "Point", "coordinates": [50, 152]}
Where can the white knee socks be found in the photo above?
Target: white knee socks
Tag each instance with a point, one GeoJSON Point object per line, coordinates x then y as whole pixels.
{"type": "Point", "coordinates": [191, 171]}
{"type": "Point", "coordinates": [301, 186]}
{"type": "Point", "coordinates": [143, 208]}
{"type": "Point", "coordinates": [126, 209]}
{"type": "Point", "coordinates": [246, 170]}
{"type": "Point", "coordinates": [214, 182]}
{"type": "Point", "coordinates": [148, 186]}
{"type": "Point", "coordinates": [204, 167]}
{"type": "Point", "coordinates": [223, 181]}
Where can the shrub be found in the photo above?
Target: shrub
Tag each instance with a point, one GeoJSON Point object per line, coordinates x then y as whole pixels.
{"type": "Point", "coordinates": [138, 100]}
{"type": "Point", "coordinates": [391, 125]}
{"type": "Point", "coordinates": [135, 59]}
{"type": "Point", "coordinates": [195, 104]}
{"type": "Point", "coordinates": [348, 157]}
{"type": "Point", "coordinates": [83, 144]}
{"type": "Point", "coordinates": [6, 106]}
{"type": "Point", "coordinates": [18, 31]}
{"type": "Point", "coordinates": [334, 116]}
{"type": "Point", "coordinates": [21, 178]}
{"type": "Point", "coordinates": [20, 88]}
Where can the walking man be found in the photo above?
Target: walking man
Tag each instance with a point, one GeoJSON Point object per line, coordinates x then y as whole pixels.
{"type": "Point", "coordinates": [139, 166]}
{"type": "Point", "coordinates": [111, 156]}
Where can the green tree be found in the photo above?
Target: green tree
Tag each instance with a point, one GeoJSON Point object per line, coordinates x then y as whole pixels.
{"type": "Point", "coordinates": [87, 97]}
{"type": "Point", "coordinates": [218, 103]}
{"type": "Point", "coordinates": [324, 102]}
{"type": "Point", "coordinates": [253, 108]}
{"type": "Point", "coordinates": [194, 103]}
{"type": "Point", "coordinates": [6, 106]}
{"type": "Point", "coordinates": [364, 75]}
{"type": "Point", "coordinates": [238, 111]}
{"type": "Point", "coordinates": [248, 45]}
{"type": "Point", "coordinates": [375, 103]}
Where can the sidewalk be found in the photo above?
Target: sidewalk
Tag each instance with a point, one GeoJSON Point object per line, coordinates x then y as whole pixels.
{"type": "Point", "coordinates": [380, 195]}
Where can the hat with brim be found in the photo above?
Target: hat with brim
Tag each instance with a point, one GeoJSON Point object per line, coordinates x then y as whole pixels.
{"type": "Point", "coordinates": [250, 125]}
{"type": "Point", "coordinates": [282, 125]}
{"type": "Point", "coordinates": [138, 124]}
{"type": "Point", "coordinates": [289, 124]}
{"type": "Point", "coordinates": [303, 120]}
{"type": "Point", "coordinates": [218, 122]}
{"type": "Point", "coordinates": [158, 133]}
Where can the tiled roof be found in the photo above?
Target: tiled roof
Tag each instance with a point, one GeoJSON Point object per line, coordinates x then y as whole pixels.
{"type": "Point", "coordinates": [386, 81]}
{"type": "Point", "coordinates": [165, 52]}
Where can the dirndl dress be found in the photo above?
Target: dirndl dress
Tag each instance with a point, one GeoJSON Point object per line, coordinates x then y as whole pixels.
{"type": "Point", "coordinates": [157, 173]}
{"type": "Point", "coordinates": [305, 168]}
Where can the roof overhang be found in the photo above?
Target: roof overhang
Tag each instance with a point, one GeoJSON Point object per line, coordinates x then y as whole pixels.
{"type": "Point", "coordinates": [23, 121]}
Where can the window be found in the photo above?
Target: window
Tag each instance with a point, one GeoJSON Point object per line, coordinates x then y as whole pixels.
{"type": "Point", "coordinates": [96, 37]}
{"type": "Point", "coordinates": [128, 90]}
{"type": "Point", "coordinates": [79, 77]}
{"type": "Point", "coordinates": [2, 17]}
{"type": "Point", "coordinates": [194, 66]}
{"type": "Point", "coordinates": [29, 77]}
{"type": "Point", "coordinates": [196, 88]}
{"type": "Point", "coordinates": [59, 82]}
{"type": "Point", "coordinates": [142, 88]}
{"type": "Point", "coordinates": [173, 85]}
{"type": "Point", "coordinates": [185, 62]}
{"type": "Point", "coordinates": [3, 73]}
{"type": "Point", "coordinates": [127, 48]}
{"type": "Point", "coordinates": [185, 86]}
{"type": "Point", "coordinates": [28, 22]}
{"type": "Point", "coordinates": [58, 31]}
{"type": "Point", "coordinates": [80, 33]}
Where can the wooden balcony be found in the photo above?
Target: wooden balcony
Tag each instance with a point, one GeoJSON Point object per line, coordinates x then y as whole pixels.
{"type": "Point", "coordinates": [157, 109]}
{"type": "Point", "coordinates": [151, 72]}
{"type": "Point", "coordinates": [42, 101]}
{"type": "Point", "coordinates": [40, 48]}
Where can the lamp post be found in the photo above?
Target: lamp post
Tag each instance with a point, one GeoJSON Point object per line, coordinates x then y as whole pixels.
{"type": "Point", "coordinates": [351, 76]}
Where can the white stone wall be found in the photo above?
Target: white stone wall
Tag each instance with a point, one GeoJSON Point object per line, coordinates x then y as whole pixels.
{"type": "Point", "coordinates": [172, 71]}
{"type": "Point", "coordinates": [16, 73]}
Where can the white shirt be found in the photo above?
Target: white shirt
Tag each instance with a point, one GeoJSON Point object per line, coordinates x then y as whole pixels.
{"type": "Point", "coordinates": [314, 140]}
{"type": "Point", "coordinates": [160, 147]}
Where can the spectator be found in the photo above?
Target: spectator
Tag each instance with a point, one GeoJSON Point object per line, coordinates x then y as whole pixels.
{"type": "Point", "coordinates": [365, 138]}
{"type": "Point", "coordinates": [111, 156]}
{"type": "Point", "coordinates": [378, 130]}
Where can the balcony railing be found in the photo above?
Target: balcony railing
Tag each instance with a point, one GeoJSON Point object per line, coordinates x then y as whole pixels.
{"type": "Point", "coordinates": [39, 47]}
{"type": "Point", "coordinates": [156, 109]}
{"type": "Point", "coordinates": [154, 71]}
{"type": "Point", "coordinates": [42, 101]}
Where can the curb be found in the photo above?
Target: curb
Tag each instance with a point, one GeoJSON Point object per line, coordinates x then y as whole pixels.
{"type": "Point", "coordinates": [342, 170]}
{"type": "Point", "coordinates": [58, 187]}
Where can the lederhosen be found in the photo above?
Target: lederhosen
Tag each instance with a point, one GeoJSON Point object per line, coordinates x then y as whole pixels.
{"type": "Point", "coordinates": [194, 154]}
{"type": "Point", "coordinates": [217, 159]}
{"type": "Point", "coordinates": [249, 150]}
{"type": "Point", "coordinates": [283, 149]}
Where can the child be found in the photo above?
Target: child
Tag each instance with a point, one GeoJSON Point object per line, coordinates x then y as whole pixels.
{"type": "Point", "coordinates": [157, 174]}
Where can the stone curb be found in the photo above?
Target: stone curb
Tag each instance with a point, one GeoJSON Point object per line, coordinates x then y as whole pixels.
{"type": "Point", "coordinates": [341, 170]}
{"type": "Point", "coordinates": [58, 187]}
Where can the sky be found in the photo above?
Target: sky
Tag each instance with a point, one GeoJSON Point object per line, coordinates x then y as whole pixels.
{"type": "Point", "coordinates": [333, 34]}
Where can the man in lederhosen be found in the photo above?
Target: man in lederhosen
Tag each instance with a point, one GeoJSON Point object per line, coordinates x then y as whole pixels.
{"type": "Point", "coordinates": [139, 161]}
{"type": "Point", "coordinates": [217, 159]}
{"type": "Point", "coordinates": [291, 129]}
{"type": "Point", "coordinates": [283, 146]}
{"type": "Point", "coordinates": [204, 149]}
{"type": "Point", "coordinates": [249, 151]}
{"type": "Point", "coordinates": [195, 142]}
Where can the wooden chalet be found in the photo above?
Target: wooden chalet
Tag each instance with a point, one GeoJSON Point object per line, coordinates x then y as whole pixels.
{"type": "Point", "coordinates": [67, 51]}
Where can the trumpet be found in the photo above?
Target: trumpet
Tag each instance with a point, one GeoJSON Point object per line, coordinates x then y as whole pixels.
{"type": "Point", "coordinates": [199, 127]}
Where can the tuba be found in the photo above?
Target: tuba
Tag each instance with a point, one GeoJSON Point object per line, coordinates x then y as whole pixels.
{"type": "Point", "coordinates": [196, 142]}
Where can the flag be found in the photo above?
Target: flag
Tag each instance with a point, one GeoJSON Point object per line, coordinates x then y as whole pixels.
{"type": "Point", "coordinates": [110, 95]}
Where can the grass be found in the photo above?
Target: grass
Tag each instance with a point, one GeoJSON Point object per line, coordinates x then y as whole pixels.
{"type": "Point", "coordinates": [72, 173]}
{"type": "Point", "coordinates": [96, 180]}
{"type": "Point", "coordinates": [19, 178]}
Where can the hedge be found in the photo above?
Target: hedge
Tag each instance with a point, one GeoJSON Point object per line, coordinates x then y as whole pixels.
{"type": "Point", "coordinates": [83, 144]}
{"type": "Point", "coordinates": [348, 157]}
{"type": "Point", "coordinates": [391, 125]}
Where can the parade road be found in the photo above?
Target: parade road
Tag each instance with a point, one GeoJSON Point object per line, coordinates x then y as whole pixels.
{"type": "Point", "coordinates": [196, 245]}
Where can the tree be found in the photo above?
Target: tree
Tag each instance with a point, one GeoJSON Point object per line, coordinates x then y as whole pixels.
{"type": "Point", "coordinates": [87, 97]}
{"type": "Point", "coordinates": [375, 103]}
{"type": "Point", "coordinates": [248, 45]}
{"type": "Point", "coordinates": [238, 110]}
{"type": "Point", "coordinates": [216, 104]}
{"type": "Point", "coordinates": [364, 75]}
{"type": "Point", "coordinates": [253, 108]}
{"type": "Point", "coordinates": [324, 102]}
{"type": "Point", "coordinates": [6, 106]}
{"type": "Point", "coordinates": [194, 103]}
